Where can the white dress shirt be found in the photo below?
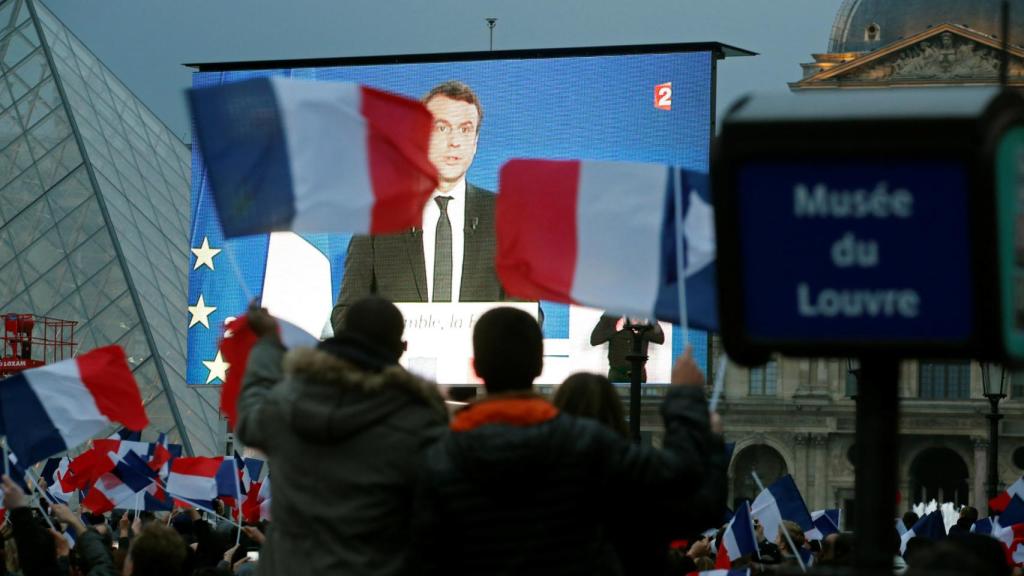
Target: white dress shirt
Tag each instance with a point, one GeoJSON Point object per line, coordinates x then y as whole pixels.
{"type": "Point", "coordinates": [457, 216]}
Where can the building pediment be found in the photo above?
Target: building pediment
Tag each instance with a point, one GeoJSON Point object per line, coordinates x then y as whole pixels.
{"type": "Point", "coordinates": [945, 54]}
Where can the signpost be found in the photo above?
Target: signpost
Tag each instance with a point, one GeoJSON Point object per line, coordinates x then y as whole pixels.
{"type": "Point", "coordinates": [884, 225]}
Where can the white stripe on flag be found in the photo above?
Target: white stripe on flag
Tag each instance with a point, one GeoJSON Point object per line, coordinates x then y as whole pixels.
{"type": "Point", "coordinates": [67, 401]}
{"type": "Point", "coordinates": [192, 487]}
{"type": "Point", "coordinates": [326, 138]}
{"type": "Point", "coordinates": [620, 211]}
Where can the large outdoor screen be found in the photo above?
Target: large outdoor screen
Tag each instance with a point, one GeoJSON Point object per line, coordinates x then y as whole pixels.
{"type": "Point", "coordinates": [649, 107]}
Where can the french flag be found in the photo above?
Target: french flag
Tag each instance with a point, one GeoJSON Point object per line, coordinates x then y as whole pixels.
{"type": "Point", "coordinates": [778, 502]}
{"type": "Point", "coordinates": [194, 480]}
{"type": "Point", "coordinates": [1013, 514]}
{"type": "Point", "coordinates": [603, 234]}
{"type": "Point", "coordinates": [738, 540]}
{"type": "Point", "coordinates": [129, 476]}
{"type": "Point", "coordinates": [251, 472]}
{"type": "Point", "coordinates": [826, 521]}
{"type": "Point", "coordinates": [54, 408]}
{"type": "Point", "coordinates": [53, 472]}
{"type": "Point", "coordinates": [1002, 500]}
{"type": "Point", "coordinates": [285, 154]}
{"type": "Point", "coordinates": [931, 526]}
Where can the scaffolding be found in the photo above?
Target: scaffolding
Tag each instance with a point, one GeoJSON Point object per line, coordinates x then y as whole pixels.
{"type": "Point", "coordinates": [30, 341]}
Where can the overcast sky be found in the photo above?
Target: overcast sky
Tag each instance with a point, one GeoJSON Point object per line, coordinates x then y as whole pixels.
{"type": "Point", "coordinates": [146, 42]}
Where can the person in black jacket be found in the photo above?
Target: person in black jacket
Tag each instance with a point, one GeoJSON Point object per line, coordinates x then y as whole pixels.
{"type": "Point", "coordinates": [519, 488]}
{"type": "Point", "coordinates": [618, 333]}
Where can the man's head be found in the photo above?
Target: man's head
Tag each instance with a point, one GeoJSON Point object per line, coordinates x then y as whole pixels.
{"type": "Point", "coordinates": [379, 322]}
{"type": "Point", "coordinates": [910, 518]}
{"type": "Point", "coordinates": [508, 350]}
{"type": "Point", "coordinates": [796, 534]}
{"type": "Point", "coordinates": [158, 550]}
{"type": "Point", "coordinates": [969, 515]}
{"type": "Point", "coordinates": [457, 116]}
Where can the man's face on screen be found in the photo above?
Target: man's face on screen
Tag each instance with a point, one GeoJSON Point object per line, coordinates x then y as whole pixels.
{"type": "Point", "coordinates": [453, 142]}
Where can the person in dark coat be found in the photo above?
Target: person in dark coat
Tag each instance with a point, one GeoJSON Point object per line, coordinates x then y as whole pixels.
{"type": "Point", "coordinates": [618, 332]}
{"type": "Point", "coordinates": [519, 487]}
{"type": "Point", "coordinates": [344, 428]}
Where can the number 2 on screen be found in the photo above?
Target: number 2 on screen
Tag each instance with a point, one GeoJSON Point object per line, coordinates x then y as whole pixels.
{"type": "Point", "coordinates": [663, 96]}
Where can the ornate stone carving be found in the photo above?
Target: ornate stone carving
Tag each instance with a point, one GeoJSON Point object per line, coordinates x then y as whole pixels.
{"type": "Point", "coordinates": [819, 440]}
{"type": "Point", "coordinates": [946, 57]}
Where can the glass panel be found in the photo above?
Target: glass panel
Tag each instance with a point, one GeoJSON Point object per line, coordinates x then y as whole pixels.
{"type": "Point", "coordinates": [52, 288]}
{"type": "Point", "coordinates": [20, 304]}
{"type": "Point", "coordinates": [70, 309]}
{"type": "Point", "coordinates": [100, 289]}
{"type": "Point", "coordinates": [149, 384]}
{"type": "Point", "coordinates": [114, 321]}
{"type": "Point", "coordinates": [6, 247]}
{"type": "Point", "coordinates": [14, 159]}
{"type": "Point", "coordinates": [30, 224]}
{"type": "Point", "coordinates": [6, 12]}
{"type": "Point", "coordinates": [59, 162]}
{"type": "Point", "coordinates": [135, 347]}
{"type": "Point", "coordinates": [81, 224]}
{"type": "Point", "coordinates": [17, 45]}
{"type": "Point", "coordinates": [22, 14]}
{"type": "Point", "coordinates": [11, 281]}
{"type": "Point", "coordinates": [70, 193]}
{"type": "Point", "coordinates": [10, 127]}
{"type": "Point", "coordinates": [39, 102]}
{"type": "Point", "coordinates": [41, 256]}
{"type": "Point", "coordinates": [48, 133]}
{"type": "Point", "coordinates": [20, 193]}
{"type": "Point", "coordinates": [30, 72]}
{"type": "Point", "coordinates": [91, 257]}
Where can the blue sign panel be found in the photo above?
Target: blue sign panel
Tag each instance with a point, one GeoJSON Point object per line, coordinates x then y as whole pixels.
{"type": "Point", "coordinates": [855, 252]}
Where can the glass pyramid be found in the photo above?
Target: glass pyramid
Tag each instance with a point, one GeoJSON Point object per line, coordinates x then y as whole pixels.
{"type": "Point", "coordinates": [94, 215]}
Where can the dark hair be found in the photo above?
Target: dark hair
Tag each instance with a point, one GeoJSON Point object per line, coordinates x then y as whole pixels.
{"type": "Point", "coordinates": [508, 349]}
{"type": "Point", "coordinates": [969, 513]}
{"type": "Point", "coordinates": [378, 321]}
{"type": "Point", "coordinates": [158, 551]}
{"type": "Point", "coordinates": [910, 518]}
{"type": "Point", "coordinates": [592, 396]}
{"type": "Point", "coordinates": [457, 91]}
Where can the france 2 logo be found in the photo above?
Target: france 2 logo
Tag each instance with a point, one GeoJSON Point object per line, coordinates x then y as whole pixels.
{"type": "Point", "coordinates": [663, 96]}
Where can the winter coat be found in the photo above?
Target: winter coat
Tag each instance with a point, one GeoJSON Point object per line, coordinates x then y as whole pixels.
{"type": "Point", "coordinates": [37, 554]}
{"type": "Point", "coordinates": [527, 491]}
{"type": "Point", "coordinates": [344, 430]}
{"type": "Point", "coordinates": [94, 555]}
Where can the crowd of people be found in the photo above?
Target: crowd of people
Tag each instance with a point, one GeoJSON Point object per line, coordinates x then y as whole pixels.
{"type": "Point", "coordinates": [374, 474]}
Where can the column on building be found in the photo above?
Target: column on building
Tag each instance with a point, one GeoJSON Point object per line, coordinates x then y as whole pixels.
{"type": "Point", "coordinates": [819, 495]}
{"type": "Point", "coordinates": [980, 474]}
{"type": "Point", "coordinates": [800, 461]}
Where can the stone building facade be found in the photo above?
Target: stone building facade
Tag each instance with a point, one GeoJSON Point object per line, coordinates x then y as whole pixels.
{"type": "Point", "coordinates": [797, 416]}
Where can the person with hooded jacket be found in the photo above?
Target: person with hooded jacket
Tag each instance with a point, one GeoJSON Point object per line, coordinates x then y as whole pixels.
{"type": "Point", "coordinates": [343, 427]}
{"type": "Point", "coordinates": [522, 488]}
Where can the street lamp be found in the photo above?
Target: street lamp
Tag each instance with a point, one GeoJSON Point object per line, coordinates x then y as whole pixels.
{"type": "Point", "coordinates": [994, 390]}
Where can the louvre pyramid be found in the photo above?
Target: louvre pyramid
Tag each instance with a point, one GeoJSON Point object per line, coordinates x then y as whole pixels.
{"type": "Point", "coordinates": [94, 215]}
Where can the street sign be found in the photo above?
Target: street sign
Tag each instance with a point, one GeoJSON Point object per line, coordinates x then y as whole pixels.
{"type": "Point", "coordinates": [856, 251]}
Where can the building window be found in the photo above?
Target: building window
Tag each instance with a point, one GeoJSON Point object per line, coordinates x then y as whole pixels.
{"type": "Point", "coordinates": [1017, 385]}
{"type": "Point", "coordinates": [764, 379]}
{"type": "Point", "coordinates": [944, 380]}
{"type": "Point", "coordinates": [851, 384]}
{"type": "Point", "coordinates": [872, 33]}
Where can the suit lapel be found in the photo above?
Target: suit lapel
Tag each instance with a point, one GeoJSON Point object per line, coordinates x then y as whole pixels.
{"type": "Point", "coordinates": [414, 247]}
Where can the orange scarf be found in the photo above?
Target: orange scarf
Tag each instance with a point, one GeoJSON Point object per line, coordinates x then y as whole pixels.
{"type": "Point", "coordinates": [516, 411]}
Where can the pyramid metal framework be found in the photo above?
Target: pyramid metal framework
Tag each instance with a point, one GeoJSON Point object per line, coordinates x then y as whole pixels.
{"type": "Point", "coordinates": [94, 215]}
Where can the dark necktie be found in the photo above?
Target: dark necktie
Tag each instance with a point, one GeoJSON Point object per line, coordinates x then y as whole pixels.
{"type": "Point", "coordinates": [443, 253]}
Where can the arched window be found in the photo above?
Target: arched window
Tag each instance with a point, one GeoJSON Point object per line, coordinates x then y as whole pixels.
{"type": "Point", "coordinates": [939, 474]}
{"type": "Point", "coordinates": [764, 460]}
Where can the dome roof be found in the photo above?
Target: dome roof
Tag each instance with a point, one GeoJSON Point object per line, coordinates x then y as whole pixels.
{"type": "Point", "coordinates": [863, 25]}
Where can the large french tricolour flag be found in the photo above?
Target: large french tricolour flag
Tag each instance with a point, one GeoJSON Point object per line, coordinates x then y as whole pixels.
{"type": "Point", "coordinates": [603, 234]}
{"type": "Point", "coordinates": [285, 154]}
{"type": "Point", "coordinates": [194, 480]}
{"type": "Point", "coordinates": [54, 408]}
{"type": "Point", "coordinates": [1003, 499]}
{"type": "Point", "coordinates": [931, 526]}
{"type": "Point", "coordinates": [129, 476]}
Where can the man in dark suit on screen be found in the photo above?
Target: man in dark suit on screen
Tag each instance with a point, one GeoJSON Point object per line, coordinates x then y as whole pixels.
{"type": "Point", "coordinates": [451, 259]}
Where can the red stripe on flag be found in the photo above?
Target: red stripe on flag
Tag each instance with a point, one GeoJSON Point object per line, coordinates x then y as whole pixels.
{"type": "Point", "coordinates": [236, 350]}
{"type": "Point", "coordinates": [1000, 502]}
{"type": "Point", "coordinates": [398, 132]}
{"type": "Point", "coordinates": [198, 466]}
{"type": "Point", "coordinates": [108, 378]}
{"type": "Point", "coordinates": [97, 502]}
{"type": "Point", "coordinates": [536, 228]}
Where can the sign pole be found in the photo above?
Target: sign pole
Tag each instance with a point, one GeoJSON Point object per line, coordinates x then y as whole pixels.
{"type": "Point", "coordinates": [877, 452]}
{"type": "Point", "coordinates": [637, 361]}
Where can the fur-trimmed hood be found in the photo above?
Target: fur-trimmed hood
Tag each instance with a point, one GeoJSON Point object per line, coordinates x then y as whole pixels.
{"type": "Point", "coordinates": [333, 398]}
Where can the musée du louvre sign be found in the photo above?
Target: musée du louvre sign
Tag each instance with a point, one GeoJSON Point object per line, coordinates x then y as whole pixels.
{"type": "Point", "coordinates": [854, 246]}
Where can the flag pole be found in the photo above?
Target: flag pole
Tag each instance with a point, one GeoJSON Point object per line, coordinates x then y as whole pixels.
{"type": "Point", "coordinates": [238, 498]}
{"type": "Point", "coordinates": [716, 392]}
{"type": "Point", "coordinates": [782, 528]}
{"type": "Point", "coordinates": [684, 320]}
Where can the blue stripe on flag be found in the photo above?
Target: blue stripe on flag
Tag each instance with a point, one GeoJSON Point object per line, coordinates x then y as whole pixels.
{"type": "Point", "coordinates": [241, 132]}
{"type": "Point", "coordinates": [790, 502]}
{"type": "Point", "coordinates": [30, 433]}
